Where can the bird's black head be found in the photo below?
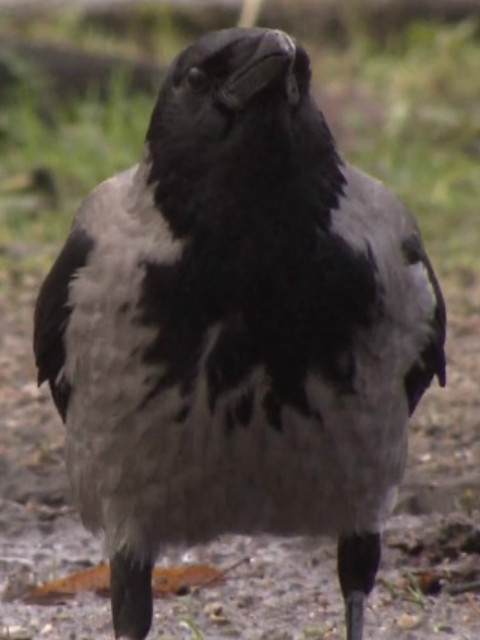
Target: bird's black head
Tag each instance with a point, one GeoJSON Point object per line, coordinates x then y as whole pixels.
{"type": "Point", "coordinates": [235, 116]}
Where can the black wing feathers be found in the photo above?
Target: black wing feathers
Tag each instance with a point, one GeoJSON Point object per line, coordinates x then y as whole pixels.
{"type": "Point", "coordinates": [431, 360]}
{"type": "Point", "coordinates": [52, 312]}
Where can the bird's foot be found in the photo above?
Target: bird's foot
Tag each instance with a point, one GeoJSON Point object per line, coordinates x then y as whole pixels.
{"type": "Point", "coordinates": [131, 596]}
{"type": "Point", "coordinates": [354, 606]}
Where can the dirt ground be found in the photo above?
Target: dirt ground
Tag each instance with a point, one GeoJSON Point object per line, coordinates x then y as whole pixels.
{"type": "Point", "coordinates": [429, 582]}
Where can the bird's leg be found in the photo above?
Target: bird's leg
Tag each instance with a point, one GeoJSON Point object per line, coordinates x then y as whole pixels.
{"type": "Point", "coordinates": [131, 596]}
{"type": "Point", "coordinates": [358, 557]}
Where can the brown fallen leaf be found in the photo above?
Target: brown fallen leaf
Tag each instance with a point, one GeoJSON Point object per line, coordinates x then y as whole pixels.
{"type": "Point", "coordinates": [96, 579]}
{"type": "Point", "coordinates": [179, 580]}
{"type": "Point", "coordinates": [173, 581]}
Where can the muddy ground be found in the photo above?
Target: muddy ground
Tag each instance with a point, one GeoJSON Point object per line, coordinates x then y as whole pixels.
{"type": "Point", "coordinates": [288, 589]}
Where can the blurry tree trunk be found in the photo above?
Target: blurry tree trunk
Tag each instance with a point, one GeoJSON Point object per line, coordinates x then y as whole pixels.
{"type": "Point", "coordinates": [383, 16]}
{"type": "Point", "coordinates": [250, 13]}
{"type": "Point", "coordinates": [329, 19]}
{"type": "Point", "coordinates": [70, 72]}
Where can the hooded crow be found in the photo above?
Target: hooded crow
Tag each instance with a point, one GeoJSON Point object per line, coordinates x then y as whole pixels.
{"type": "Point", "coordinates": [238, 329]}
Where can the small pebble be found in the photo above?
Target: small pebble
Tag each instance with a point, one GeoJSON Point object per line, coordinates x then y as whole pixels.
{"type": "Point", "coordinates": [246, 601]}
{"type": "Point", "coordinates": [46, 629]}
{"type": "Point", "coordinates": [214, 610]}
{"type": "Point", "coordinates": [15, 633]}
{"type": "Point", "coordinates": [408, 621]}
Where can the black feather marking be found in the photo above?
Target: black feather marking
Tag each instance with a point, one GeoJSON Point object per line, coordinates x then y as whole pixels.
{"type": "Point", "coordinates": [412, 249]}
{"type": "Point", "coordinates": [286, 300]}
{"type": "Point", "coordinates": [431, 360]}
{"type": "Point", "coordinates": [252, 193]}
{"type": "Point", "coordinates": [243, 409]}
{"type": "Point", "coordinates": [231, 359]}
{"type": "Point", "coordinates": [273, 410]}
{"type": "Point", "coordinates": [169, 301]}
{"type": "Point", "coordinates": [183, 413]}
{"type": "Point", "coordinates": [229, 421]}
{"type": "Point", "coordinates": [239, 411]}
{"type": "Point", "coordinates": [52, 313]}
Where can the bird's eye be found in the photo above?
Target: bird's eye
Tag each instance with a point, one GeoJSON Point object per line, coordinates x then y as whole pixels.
{"type": "Point", "coordinates": [197, 79]}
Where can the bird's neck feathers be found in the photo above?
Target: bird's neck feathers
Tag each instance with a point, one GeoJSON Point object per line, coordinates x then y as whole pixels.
{"type": "Point", "coordinates": [277, 172]}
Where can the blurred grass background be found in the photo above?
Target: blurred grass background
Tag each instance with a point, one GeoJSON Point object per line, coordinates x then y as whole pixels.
{"type": "Point", "coordinates": [405, 105]}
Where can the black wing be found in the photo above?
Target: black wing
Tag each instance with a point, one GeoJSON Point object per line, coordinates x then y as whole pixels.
{"type": "Point", "coordinates": [51, 316]}
{"type": "Point", "coordinates": [431, 360]}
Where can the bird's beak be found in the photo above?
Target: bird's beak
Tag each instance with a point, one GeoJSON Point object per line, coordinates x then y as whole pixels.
{"type": "Point", "coordinates": [273, 57]}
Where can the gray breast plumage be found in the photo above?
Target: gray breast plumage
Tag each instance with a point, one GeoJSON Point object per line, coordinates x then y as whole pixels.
{"type": "Point", "coordinates": [155, 457]}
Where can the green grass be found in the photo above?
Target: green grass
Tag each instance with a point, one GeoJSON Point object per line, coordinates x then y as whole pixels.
{"type": "Point", "coordinates": [79, 145]}
{"type": "Point", "coordinates": [149, 30]}
{"type": "Point", "coordinates": [427, 148]}
{"type": "Point", "coordinates": [426, 145]}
